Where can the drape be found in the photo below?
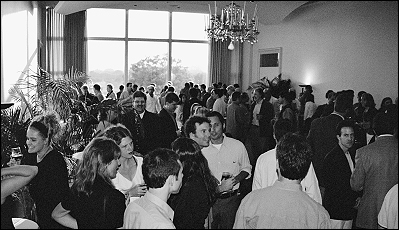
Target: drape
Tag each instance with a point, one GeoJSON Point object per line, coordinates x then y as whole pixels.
{"type": "Point", "coordinates": [75, 42]}
{"type": "Point", "coordinates": [55, 42]}
{"type": "Point", "coordinates": [220, 61]}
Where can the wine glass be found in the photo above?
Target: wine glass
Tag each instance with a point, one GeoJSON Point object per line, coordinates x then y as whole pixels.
{"type": "Point", "coordinates": [16, 155]}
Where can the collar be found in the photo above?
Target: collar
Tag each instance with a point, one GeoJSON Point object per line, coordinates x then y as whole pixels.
{"type": "Point", "coordinates": [287, 186]}
{"type": "Point", "coordinates": [343, 118]}
{"type": "Point", "coordinates": [224, 139]}
{"type": "Point", "coordinates": [142, 114]}
{"type": "Point", "coordinates": [260, 102]}
{"type": "Point", "coordinates": [160, 203]}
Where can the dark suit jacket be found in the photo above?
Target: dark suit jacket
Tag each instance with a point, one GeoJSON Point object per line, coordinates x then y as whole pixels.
{"type": "Point", "coordinates": [339, 198]}
{"type": "Point", "coordinates": [267, 110]}
{"type": "Point", "coordinates": [322, 139]}
{"type": "Point", "coordinates": [167, 133]}
{"type": "Point", "coordinates": [375, 173]}
{"type": "Point", "coordinates": [150, 141]}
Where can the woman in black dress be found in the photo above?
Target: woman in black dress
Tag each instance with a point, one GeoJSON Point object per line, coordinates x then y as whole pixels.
{"type": "Point", "coordinates": [93, 202]}
{"type": "Point", "coordinates": [198, 192]}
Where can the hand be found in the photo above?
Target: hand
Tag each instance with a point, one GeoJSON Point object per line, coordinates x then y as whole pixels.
{"type": "Point", "coordinates": [138, 190]}
{"type": "Point", "coordinates": [227, 184]}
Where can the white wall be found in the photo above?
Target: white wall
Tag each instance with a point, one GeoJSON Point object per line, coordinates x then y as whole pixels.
{"type": "Point", "coordinates": [335, 45]}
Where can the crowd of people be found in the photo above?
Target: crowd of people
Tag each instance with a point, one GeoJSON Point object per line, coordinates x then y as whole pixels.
{"type": "Point", "coordinates": [217, 157]}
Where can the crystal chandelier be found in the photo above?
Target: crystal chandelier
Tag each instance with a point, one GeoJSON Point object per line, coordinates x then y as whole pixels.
{"type": "Point", "coordinates": [232, 23]}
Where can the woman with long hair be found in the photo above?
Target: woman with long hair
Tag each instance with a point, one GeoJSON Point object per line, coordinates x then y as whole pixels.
{"type": "Point", "coordinates": [93, 201]}
{"type": "Point", "coordinates": [129, 179]}
{"type": "Point", "coordinates": [199, 188]}
{"type": "Point", "coordinates": [50, 184]}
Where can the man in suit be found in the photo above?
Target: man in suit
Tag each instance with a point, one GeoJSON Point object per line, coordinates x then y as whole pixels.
{"type": "Point", "coordinates": [339, 199]}
{"type": "Point", "coordinates": [376, 170]}
{"type": "Point", "coordinates": [149, 123]}
{"type": "Point", "coordinates": [322, 137]}
{"type": "Point", "coordinates": [260, 137]}
{"type": "Point", "coordinates": [168, 126]}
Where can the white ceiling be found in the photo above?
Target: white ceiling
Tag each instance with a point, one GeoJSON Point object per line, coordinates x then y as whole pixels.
{"type": "Point", "coordinates": [269, 12]}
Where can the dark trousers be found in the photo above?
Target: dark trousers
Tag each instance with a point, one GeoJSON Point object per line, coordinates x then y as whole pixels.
{"type": "Point", "coordinates": [224, 212]}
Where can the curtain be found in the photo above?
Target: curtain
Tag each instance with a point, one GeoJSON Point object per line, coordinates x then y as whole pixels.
{"type": "Point", "coordinates": [75, 42]}
{"type": "Point", "coordinates": [220, 62]}
{"type": "Point", "coordinates": [55, 37]}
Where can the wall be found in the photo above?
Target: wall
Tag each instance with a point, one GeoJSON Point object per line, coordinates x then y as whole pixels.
{"type": "Point", "coordinates": [19, 34]}
{"type": "Point", "coordinates": [335, 45]}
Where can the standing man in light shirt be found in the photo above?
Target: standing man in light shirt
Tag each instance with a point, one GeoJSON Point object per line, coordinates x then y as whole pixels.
{"type": "Point", "coordinates": [152, 104]}
{"type": "Point", "coordinates": [339, 198]}
{"type": "Point", "coordinates": [219, 105]}
{"type": "Point", "coordinates": [163, 174]}
{"type": "Point", "coordinates": [265, 173]}
{"type": "Point", "coordinates": [226, 155]}
{"type": "Point", "coordinates": [126, 99]}
{"type": "Point", "coordinates": [284, 205]}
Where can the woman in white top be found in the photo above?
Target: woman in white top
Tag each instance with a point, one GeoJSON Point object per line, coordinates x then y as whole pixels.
{"type": "Point", "coordinates": [129, 178]}
{"type": "Point", "coordinates": [310, 109]}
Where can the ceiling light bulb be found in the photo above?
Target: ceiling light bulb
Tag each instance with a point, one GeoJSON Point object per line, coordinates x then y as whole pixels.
{"type": "Point", "coordinates": [231, 46]}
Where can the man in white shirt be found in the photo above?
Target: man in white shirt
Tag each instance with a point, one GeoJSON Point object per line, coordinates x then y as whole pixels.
{"type": "Point", "coordinates": [219, 105]}
{"type": "Point", "coordinates": [284, 204]}
{"type": "Point", "coordinates": [229, 156]}
{"type": "Point", "coordinates": [163, 174]}
{"type": "Point", "coordinates": [152, 104]}
{"type": "Point", "coordinates": [265, 173]}
{"type": "Point", "coordinates": [388, 215]}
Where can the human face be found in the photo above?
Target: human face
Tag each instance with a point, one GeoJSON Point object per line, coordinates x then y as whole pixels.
{"type": "Point", "coordinates": [214, 95]}
{"type": "Point", "coordinates": [129, 88]}
{"type": "Point", "coordinates": [202, 134]}
{"type": "Point", "coordinates": [35, 141]}
{"type": "Point", "coordinates": [171, 107]}
{"type": "Point", "coordinates": [216, 129]}
{"type": "Point", "coordinates": [363, 100]}
{"type": "Point", "coordinates": [178, 181]}
{"type": "Point", "coordinates": [257, 96]}
{"type": "Point", "coordinates": [108, 89]}
{"type": "Point", "coordinates": [139, 104]}
{"type": "Point", "coordinates": [112, 167]}
{"type": "Point", "coordinates": [150, 90]}
{"type": "Point", "coordinates": [127, 147]}
{"type": "Point", "coordinates": [347, 137]}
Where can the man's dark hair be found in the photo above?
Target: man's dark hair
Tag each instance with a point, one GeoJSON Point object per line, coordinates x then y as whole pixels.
{"type": "Point", "coordinates": [135, 86]}
{"type": "Point", "coordinates": [236, 85]}
{"type": "Point", "coordinates": [203, 86]}
{"type": "Point", "coordinates": [97, 87]}
{"type": "Point", "coordinates": [282, 127]}
{"type": "Point", "coordinates": [171, 89]}
{"type": "Point", "coordinates": [186, 85]}
{"type": "Point", "coordinates": [171, 97]}
{"type": "Point", "coordinates": [328, 93]}
{"type": "Point", "coordinates": [138, 93]}
{"type": "Point", "coordinates": [294, 156]}
{"type": "Point", "coordinates": [385, 122]}
{"type": "Point", "coordinates": [235, 96]}
{"type": "Point", "coordinates": [193, 92]}
{"type": "Point", "coordinates": [344, 123]}
{"type": "Point", "coordinates": [343, 102]}
{"type": "Point", "coordinates": [219, 92]}
{"type": "Point", "coordinates": [121, 87]}
{"type": "Point", "coordinates": [215, 114]}
{"type": "Point", "coordinates": [190, 127]}
{"type": "Point", "coordinates": [128, 84]}
{"type": "Point", "coordinates": [158, 165]}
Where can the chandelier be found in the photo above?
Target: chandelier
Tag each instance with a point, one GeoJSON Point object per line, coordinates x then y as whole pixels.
{"type": "Point", "coordinates": [232, 23]}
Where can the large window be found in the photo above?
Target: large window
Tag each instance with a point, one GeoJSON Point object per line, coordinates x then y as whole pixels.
{"type": "Point", "coordinates": [152, 51]}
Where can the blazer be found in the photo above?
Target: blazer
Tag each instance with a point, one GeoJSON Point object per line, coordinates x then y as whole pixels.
{"type": "Point", "coordinates": [339, 198]}
{"type": "Point", "coordinates": [150, 123]}
{"type": "Point", "coordinates": [267, 110]}
{"type": "Point", "coordinates": [168, 128]}
{"type": "Point", "coordinates": [322, 139]}
{"type": "Point", "coordinates": [375, 173]}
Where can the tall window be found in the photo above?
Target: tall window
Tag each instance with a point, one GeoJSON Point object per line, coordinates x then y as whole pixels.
{"type": "Point", "coordinates": [146, 47]}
